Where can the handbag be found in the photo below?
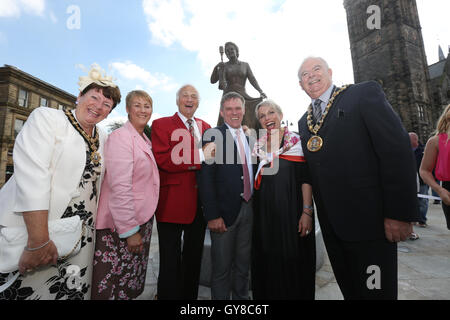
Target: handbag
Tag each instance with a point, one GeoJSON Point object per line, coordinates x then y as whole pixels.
{"type": "Point", "coordinates": [65, 233]}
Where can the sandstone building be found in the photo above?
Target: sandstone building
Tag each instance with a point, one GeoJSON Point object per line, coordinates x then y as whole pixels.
{"type": "Point", "coordinates": [20, 93]}
{"type": "Point", "coordinates": [394, 55]}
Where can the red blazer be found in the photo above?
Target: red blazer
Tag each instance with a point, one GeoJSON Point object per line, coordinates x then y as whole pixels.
{"type": "Point", "coordinates": [178, 162]}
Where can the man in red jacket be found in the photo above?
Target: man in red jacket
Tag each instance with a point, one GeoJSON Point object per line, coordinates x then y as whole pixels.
{"type": "Point", "coordinates": [177, 148]}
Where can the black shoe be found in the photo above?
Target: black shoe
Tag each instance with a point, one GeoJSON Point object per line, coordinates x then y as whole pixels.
{"type": "Point", "coordinates": [422, 225]}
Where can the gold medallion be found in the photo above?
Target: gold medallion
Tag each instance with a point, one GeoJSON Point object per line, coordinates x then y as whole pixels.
{"type": "Point", "coordinates": [95, 157]}
{"type": "Point", "coordinates": [315, 143]}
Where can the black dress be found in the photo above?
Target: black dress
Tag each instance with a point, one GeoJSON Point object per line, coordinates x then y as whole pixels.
{"type": "Point", "coordinates": [283, 263]}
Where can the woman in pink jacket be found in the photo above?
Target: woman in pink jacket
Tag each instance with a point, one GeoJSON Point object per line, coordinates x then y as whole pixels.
{"type": "Point", "coordinates": [128, 200]}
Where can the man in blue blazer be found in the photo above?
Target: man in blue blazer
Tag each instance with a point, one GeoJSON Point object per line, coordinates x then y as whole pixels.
{"type": "Point", "coordinates": [226, 188]}
{"type": "Point", "coordinates": [364, 180]}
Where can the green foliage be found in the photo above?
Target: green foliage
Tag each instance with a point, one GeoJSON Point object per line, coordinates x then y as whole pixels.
{"type": "Point", "coordinates": [148, 131]}
{"type": "Point", "coordinates": [115, 125]}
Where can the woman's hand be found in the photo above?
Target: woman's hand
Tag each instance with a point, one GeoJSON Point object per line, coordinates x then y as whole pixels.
{"type": "Point", "coordinates": [445, 195]}
{"type": "Point", "coordinates": [246, 129]}
{"type": "Point", "coordinates": [135, 243]}
{"type": "Point", "coordinates": [306, 220]}
{"type": "Point", "coordinates": [37, 228]}
{"type": "Point", "coordinates": [305, 225]}
{"type": "Point", "coordinates": [209, 150]}
{"type": "Point", "coordinates": [44, 256]}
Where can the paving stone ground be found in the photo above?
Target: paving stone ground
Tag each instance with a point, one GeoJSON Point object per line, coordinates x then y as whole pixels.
{"type": "Point", "coordinates": [423, 266]}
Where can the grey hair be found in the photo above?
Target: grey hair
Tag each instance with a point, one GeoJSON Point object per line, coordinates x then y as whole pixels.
{"type": "Point", "coordinates": [324, 62]}
{"type": "Point", "coordinates": [181, 89]}
{"type": "Point", "coordinates": [231, 95]}
{"type": "Point", "coordinates": [268, 103]}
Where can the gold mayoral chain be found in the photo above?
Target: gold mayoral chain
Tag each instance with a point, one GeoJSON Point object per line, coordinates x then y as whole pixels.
{"type": "Point", "coordinates": [315, 143]}
{"type": "Point", "coordinates": [92, 142]}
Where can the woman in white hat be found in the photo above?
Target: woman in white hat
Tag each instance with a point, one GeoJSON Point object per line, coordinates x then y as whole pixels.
{"type": "Point", "coordinates": [58, 167]}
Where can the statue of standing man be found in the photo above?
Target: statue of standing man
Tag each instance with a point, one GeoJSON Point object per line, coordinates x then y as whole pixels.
{"type": "Point", "coordinates": [232, 76]}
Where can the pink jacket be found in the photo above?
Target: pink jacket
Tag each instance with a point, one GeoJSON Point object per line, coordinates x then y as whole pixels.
{"type": "Point", "coordinates": [130, 189]}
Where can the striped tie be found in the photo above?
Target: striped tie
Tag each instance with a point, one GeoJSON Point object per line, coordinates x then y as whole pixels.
{"type": "Point", "coordinates": [247, 187]}
{"type": "Point", "coordinates": [317, 111]}
{"type": "Point", "coordinates": [191, 130]}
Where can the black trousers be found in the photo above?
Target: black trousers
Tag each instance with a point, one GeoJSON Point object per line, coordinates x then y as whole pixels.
{"type": "Point", "coordinates": [445, 208]}
{"type": "Point", "coordinates": [364, 270]}
{"type": "Point", "coordinates": [179, 267]}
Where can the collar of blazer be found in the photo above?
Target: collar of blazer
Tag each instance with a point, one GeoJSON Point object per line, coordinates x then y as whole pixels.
{"type": "Point", "coordinates": [142, 141]}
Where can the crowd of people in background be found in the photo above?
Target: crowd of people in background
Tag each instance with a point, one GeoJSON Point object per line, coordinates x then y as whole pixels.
{"type": "Point", "coordinates": [352, 161]}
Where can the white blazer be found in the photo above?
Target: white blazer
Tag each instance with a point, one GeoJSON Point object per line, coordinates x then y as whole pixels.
{"type": "Point", "coordinates": [49, 160]}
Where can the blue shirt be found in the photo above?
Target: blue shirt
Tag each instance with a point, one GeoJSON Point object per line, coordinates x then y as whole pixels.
{"type": "Point", "coordinates": [325, 97]}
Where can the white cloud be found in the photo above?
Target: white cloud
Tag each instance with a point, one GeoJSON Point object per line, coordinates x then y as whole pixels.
{"type": "Point", "coordinates": [142, 78]}
{"type": "Point", "coordinates": [273, 37]}
{"type": "Point", "coordinates": [435, 27]}
{"type": "Point", "coordinates": [34, 7]}
{"type": "Point", "coordinates": [154, 117]}
{"type": "Point", "coordinates": [129, 76]}
{"type": "Point", "coordinates": [13, 8]}
{"type": "Point", "coordinates": [9, 8]}
{"type": "Point", "coordinates": [112, 118]}
{"type": "Point", "coordinates": [208, 110]}
{"type": "Point", "coordinates": [116, 116]}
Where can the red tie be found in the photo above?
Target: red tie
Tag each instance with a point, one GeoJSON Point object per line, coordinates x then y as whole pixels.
{"type": "Point", "coordinates": [247, 188]}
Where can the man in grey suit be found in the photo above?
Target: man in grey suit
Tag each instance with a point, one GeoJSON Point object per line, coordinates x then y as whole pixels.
{"type": "Point", "coordinates": [226, 188]}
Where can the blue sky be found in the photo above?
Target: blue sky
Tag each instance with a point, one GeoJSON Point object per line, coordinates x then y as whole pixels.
{"type": "Point", "coordinates": [159, 45]}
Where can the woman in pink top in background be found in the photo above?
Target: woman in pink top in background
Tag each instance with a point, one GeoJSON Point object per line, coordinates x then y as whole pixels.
{"type": "Point", "coordinates": [437, 156]}
{"type": "Point", "coordinates": [128, 200]}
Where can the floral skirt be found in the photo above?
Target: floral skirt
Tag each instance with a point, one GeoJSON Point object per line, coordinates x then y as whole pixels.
{"type": "Point", "coordinates": [70, 279]}
{"type": "Point", "coordinates": [119, 274]}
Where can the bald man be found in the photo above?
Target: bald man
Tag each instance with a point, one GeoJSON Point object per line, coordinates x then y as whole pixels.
{"type": "Point", "coordinates": [178, 155]}
{"type": "Point", "coordinates": [364, 179]}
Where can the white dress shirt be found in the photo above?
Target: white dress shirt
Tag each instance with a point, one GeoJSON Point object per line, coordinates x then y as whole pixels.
{"type": "Point", "coordinates": [196, 133]}
{"type": "Point", "coordinates": [248, 154]}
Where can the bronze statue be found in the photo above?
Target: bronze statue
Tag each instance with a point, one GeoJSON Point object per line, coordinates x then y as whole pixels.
{"type": "Point", "coordinates": [232, 76]}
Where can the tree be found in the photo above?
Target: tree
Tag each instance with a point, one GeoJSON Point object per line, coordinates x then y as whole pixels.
{"type": "Point", "coordinates": [148, 131]}
{"type": "Point", "coordinates": [117, 124]}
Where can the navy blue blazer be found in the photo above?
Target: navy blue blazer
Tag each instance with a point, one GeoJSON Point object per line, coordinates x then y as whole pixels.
{"type": "Point", "coordinates": [365, 171]}
{"type": "Point", "coordinates": [221, 184]}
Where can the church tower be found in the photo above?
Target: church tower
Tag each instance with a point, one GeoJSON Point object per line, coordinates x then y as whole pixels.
{"type": "Point", "coordinates": [387, 46]}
